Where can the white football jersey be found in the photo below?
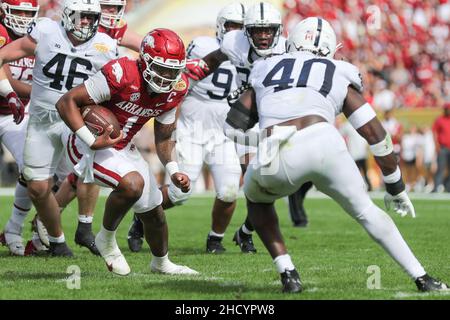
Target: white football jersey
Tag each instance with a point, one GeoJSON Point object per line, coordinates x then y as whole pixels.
{"type": "Point", "coordinates": [298, 84]}
{"type": "Point", "coordinates": [60, 66]}
{"type": "Point", "coordinates": [210, 92]}
{"type": "Point", "coordinates": [236, 46]}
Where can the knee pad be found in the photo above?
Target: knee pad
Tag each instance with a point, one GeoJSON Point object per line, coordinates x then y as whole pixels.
{"type": "Point", "coordinates": [228, 193]}
{"type": "Point", "coordinates": [176, 196]}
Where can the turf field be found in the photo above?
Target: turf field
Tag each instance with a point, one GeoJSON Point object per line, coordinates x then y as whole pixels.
{"type": "Point", "coordinates": [332, 255]}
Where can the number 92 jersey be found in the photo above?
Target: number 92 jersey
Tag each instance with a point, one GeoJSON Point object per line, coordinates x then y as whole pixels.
{"type": "Point", "coordinates": [60, 66]}
{"type": "Point", "coordinates": [298, 84]}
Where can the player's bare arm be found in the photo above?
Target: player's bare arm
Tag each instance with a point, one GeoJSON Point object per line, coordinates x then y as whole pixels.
{"type": "Point", "coordinates": [165, 148]}
{"type": "Point", "coordinates": [131, 40]}
{"type": "Point", "coordinates": [17, 49]}
{"type": "Point", "coordinates": [22, 89]}
{"type": "Point", "coordinates": [198, 69]}
{"type": "Point", "coordinates": [68, 107]}
{"type": "Point", "coordinates": [364, 120]}
{"type": "Point", "coordinates": [372, 131]}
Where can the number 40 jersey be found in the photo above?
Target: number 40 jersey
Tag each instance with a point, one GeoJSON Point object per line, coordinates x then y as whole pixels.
{"type": "Point", "coordinates": [298, 84]}
{"type": "Point", "coordinates": [61, 66]}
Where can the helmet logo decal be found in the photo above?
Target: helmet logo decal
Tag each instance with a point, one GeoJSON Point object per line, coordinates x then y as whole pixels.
{"type": "Point", "coordinates": [150, 41]}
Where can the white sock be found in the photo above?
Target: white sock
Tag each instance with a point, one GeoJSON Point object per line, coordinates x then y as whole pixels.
{"type": "Point", "coordinates": [245, 230]}
{"type": "Point", "coordinates": [219, 235]}
{"type": "Point", "coordinates": [60, 239]}
{"type": "Point", "coordinates": [107, 235]}
{"type": "Point", "coordinates": [383, 230]}
{"type": "Point", "coordinates": [283, 263]}
{"type": "Point", "coordinates": [160, 261]}
{"type": "Point", "coordinates": [22, 205]}
{"type": "Point", "coordinates": [85, 218]}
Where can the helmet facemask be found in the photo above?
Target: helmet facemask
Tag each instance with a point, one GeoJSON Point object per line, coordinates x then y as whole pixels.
{"type": "Point", "coordinates": [73, 23]}
{"type": "Point", "coordinates": [264, 45]}
{"type": "Point", "coordinates": [111, 20]}
{"type": "Point", "coordinates": [15, 21]}
{"type": "Point", "coordinates": [161, 76]}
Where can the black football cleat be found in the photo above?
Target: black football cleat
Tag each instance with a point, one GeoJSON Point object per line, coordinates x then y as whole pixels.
{"type": "Point", "coordinates": [85, 238]}
{"type": "Point", "coordinates": [59, 250]}
{"type": "Point", "coordinates": [135, 235]}
{"type": "Point", "coordinates": [427, 283]}
{"type": "Point", "coordinates": [214, 245]}
{"type": "Point", "coordinates": [291, 281]}
{"type": "Point", "coordinates": [244, 241]}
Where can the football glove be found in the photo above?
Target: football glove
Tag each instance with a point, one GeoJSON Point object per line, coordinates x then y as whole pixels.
{"type": "Point", "coordinates": [401, 202]}
{"type": "Point", "coordinates": [16, 106]}
{"type": "Point", "coordinates": [196, 69]}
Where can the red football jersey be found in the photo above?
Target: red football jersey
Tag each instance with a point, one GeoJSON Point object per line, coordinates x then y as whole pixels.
{"type": "Point", "coordinates": [131, 101]}
{"type": "Point", "coordinates": [21, 69]}
{"type": "Point", "coordinates": [115, 33]}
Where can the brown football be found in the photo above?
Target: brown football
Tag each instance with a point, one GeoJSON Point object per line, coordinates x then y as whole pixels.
{"type": "Point", "coordinates": [98, 118]}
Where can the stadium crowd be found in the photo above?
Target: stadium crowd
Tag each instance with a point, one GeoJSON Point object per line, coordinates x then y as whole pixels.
{"type": "Point", "coordinates": [401, 47]}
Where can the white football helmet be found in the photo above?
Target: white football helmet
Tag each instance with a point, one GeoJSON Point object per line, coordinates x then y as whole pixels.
{"type": "Point", "coordinates": [314, 35]}
{"type": "Point", "coordinates": [73, 10]}
{"type": "Point", "coordinates": [16, 22]}
{"type": "Point", "coordinates": [263, 15]}
{"type": "Point", "coordinates": [233, 12]}
{"type": "Point", "coordinates": [112, 20]}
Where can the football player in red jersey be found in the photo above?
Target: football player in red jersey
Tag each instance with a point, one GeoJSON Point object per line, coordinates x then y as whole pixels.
{"type": "Point", "coordinates": [112, 24]}
{"type": "Point", "coordinates": [135, 91]}
{"type": "Point", "coordinates": [16, 15]}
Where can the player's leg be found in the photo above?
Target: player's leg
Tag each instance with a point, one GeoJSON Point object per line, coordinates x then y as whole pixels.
{"type": "Point", "coordinates": [296, 209]}
{"type": "Point", "coordinates": [13, 137]}
{"type": "Point", "coordinates": [149, 210]}
{"type": "Point", "coordinates": [87, 195]}
{"type": "Point", "coordinates": [225, 169]}
{"type": "Point", "coordinates": [42, 153]}
{"type": "Point", "coordinates": [340, 179]}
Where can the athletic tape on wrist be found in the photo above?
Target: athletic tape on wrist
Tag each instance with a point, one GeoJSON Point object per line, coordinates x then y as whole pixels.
{"type": "Point", "coordinates": [393, 177]}
{"type": "Point", "coordinates": [5, 87]}
{"type": "Point", "coordinates": [85, 135]}
{"type": "Point", "coordinates": [361, 116]}
{"type": "Point", "coordinates": [172, 167]}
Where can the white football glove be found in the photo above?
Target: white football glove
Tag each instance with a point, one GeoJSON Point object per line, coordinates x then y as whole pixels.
{"type": "Point", "coordinates": [402, 204]}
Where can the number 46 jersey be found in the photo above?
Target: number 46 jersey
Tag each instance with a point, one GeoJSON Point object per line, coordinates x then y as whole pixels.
{"type": "Point", "coordinates": [60, 66]}
{"type": "Point", "coordinates": [298, 84]}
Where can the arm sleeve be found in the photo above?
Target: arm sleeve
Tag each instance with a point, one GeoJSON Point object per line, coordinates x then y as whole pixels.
{"type": "Point", "coordinates": [98, 88]}
{"type": "Point", "coordinates": [168, 117]}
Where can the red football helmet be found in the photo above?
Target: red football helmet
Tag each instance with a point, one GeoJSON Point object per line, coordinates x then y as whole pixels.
{"type": "Point", "coordinates": [164, 57]}
{"type": "Point", "coordinates": [18, 14]}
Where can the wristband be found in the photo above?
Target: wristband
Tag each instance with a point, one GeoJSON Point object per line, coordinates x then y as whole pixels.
{"type": "Point", "coordinates": [5, 88]}
{"type": "Point", "coordinates": [393, 177]}
{"type": "Point", "coordinates": [172, 167]}
{"type": "Point", "coordinates": [85, 135]}
{"type": "Point", "coordinates": [382, 148]}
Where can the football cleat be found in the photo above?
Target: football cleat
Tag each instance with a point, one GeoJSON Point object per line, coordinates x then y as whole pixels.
{"type": "Point", "coordinates": [13, 242]}
{"type": "Point", "coordinates": [38, 226]}
{"type": "Point", "coordinates": [291, 281]}
{"type": "Point", "coordinates": [85, 238]}
{"type": "Point", "coordinates": [114, 259]}
{"type": "Point", "coordinates": [135, 235]}
{"type": "Point", "coordinates": [171, 268]}
{"type": "Point", "coordinates": [214, 245]}
{"type": "Point", "coordinates": [427, 283]}
{"type": "Point", "coordinates": [59, 250]}
{"type": "Point", "coordinates": [244, 241]}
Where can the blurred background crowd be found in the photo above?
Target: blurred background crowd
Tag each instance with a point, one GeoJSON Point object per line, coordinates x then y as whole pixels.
{"type": "Point", "coordinates": [402, 48]}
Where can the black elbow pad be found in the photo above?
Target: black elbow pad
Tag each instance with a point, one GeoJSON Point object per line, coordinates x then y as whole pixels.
{"type": "Point", "coordinates": [239, 117]}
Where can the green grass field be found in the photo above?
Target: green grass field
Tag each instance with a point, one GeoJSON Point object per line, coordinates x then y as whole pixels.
{"type": "Point", "coordinates": [332, 255]}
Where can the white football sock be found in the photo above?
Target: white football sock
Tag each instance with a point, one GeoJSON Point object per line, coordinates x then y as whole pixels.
{"type": "Point", "coordinates": [245, 230]}
{"type": "Point", "coordinates": [214, 234]}
{"type": "Point", "coordinates": [22, 205]}
{"type": "Point", "coordinates": [84, 218]}
{"type": "Point", "coordinates": [283, 263]}
{"type": "Point", "coordinates": [160, 261]}
{"type": "Point", "coordinates": [60, 239]}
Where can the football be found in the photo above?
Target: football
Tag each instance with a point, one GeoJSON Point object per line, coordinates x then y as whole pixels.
{"type": "Point", "coordinates": [98, 118]}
